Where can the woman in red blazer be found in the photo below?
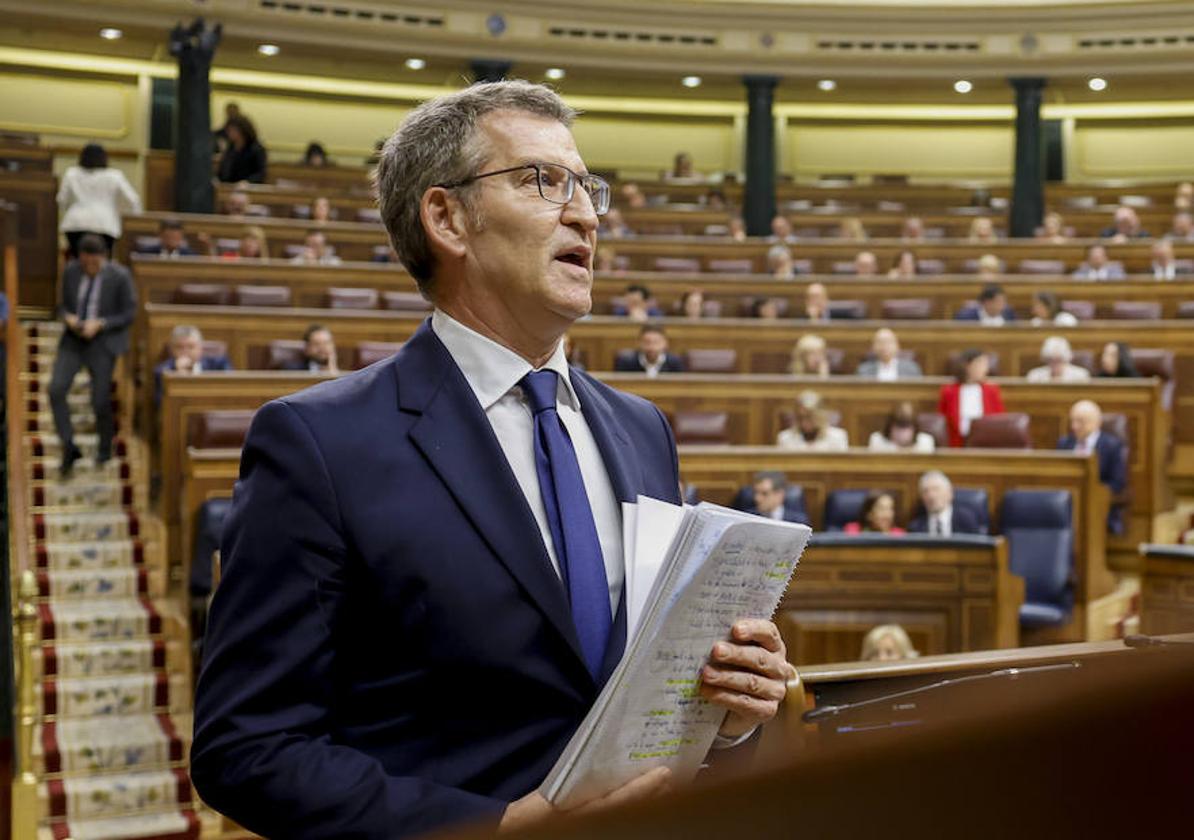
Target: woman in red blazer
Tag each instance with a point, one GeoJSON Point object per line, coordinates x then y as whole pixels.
{"type": "Point", "coordinates": [973, 373]}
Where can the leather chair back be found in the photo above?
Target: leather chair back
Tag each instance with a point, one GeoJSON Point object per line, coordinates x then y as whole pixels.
{"type": "Point", "coordinates": [907, 309]}
{"type": "Point", "coordinates": [701, 427]}
{"type": "Point", "coordinates": [1185, 309]}
{"type": "Point", "coordinates": [284, 351]}
{"type": "Point", "coordinates": [933, 424]}
{"type": "Point", "coordinates": [1158, 362]}
{"type": "Point", "coordinates": [975, 500]}
{"type": "Point", "coordinates": [953, 363]}
{"type": "Point", "coordinates": [1000, 431]}
{"type": "Point", "coordinates": [368, 352]}
{"type": "Point", "coordinates": [680, 265]}
{"type": "Point", "coordinates": [219, 429]}
{"type": "Point", "coordinates": [1084, 359]}
{"type": "Point", "coordinates": [712, 360]}
{"type": "Point", "coordinates": [1038, 526]}
{"type": "Point", "coordinates": [842, 507]}
{"type": "Point", "coordinates": [405, 302]}
{"type": "Point", "coordinates": [727, 266]}
{"type": "Point", "coordinates": [1042, 267]}
{"type": "Point", "coordinates": [341, 297]}
{"type": "Point", "coordinates": [203, 294]}
{"type": "Point", "coordinates": [1083, 310]}
{"type": "Point", "coordinates": [1136, 310]}
{"type": "Point", "coordinates": [847, 310]}
{"type": "Point", "coordinates": [262, 296]}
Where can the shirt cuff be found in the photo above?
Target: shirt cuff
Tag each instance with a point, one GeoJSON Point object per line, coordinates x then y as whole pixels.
{"type": "Point", "coordinates": [722, 742]}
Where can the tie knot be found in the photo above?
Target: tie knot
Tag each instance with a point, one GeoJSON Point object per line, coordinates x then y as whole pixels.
{"type": "Point", "coordinates": [540, 388]}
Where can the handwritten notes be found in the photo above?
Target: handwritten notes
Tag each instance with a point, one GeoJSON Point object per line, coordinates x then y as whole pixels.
{"type": "Point", "coordinates": [715, 566]}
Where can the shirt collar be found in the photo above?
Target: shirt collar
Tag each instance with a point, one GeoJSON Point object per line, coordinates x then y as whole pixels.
{"type": "Point", "coordinates": [1091, 440]}
{"type": "Point", "coordinates": [490, 369]}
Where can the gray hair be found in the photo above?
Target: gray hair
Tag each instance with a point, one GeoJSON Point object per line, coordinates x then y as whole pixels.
{"type": "Point", "coordinates": [185, 331]}
{"type": "Point", "coordinates": [1056, 347]}
{"type": "Point", "coordinates": [436, 144]}
{"type": "Point", "coordinates": [933, 475]}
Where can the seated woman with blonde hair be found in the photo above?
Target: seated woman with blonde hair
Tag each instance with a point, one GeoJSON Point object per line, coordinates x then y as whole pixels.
{"type": "Point", "coordinates": [876, 517]}
{"type": "Point", "coordinates": [811, 430]}
{"type": "Point", "coordinates": [886, 643]}
{"type": "Point", "coordinates": [810, 357]}
{"type": "Point", "coordinates": [1057, 357]}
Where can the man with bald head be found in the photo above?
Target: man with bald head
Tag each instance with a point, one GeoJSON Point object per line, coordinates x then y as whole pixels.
{"type": "Point", "coordinates": [1086, 436]}
{"type": "Point", "coordinates": [1126, 226]}
{"type": "Point", "coordinates": [816, 302]}
{"type": "Point", "coordinates": [885, 363]}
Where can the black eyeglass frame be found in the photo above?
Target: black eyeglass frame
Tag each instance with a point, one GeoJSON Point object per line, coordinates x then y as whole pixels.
{"type": "Point", "coordinates": [574, 178]}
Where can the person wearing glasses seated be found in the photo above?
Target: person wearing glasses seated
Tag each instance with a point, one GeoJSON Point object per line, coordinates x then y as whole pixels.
{"type": "Point", "coordinates": [876, 517]}
{"type": "Point", "coordinates": [446, 518]}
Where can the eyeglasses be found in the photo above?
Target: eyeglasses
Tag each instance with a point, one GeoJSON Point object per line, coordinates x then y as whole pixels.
{"type": "Point", "coordinates": [556, 183]}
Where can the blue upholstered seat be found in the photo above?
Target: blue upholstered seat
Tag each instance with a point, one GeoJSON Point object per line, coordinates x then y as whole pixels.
{"type": "Point", "coordinates": [1038, 525]}
{"type": "Point", "coordinates": [843, 506]}
{"type": "Point", "coordinates": [974, 500]}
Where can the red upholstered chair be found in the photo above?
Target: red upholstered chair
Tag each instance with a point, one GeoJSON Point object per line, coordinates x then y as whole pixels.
{"type": "Point", "coordinates": [1157, 362]}
{"type": "Point", "coordinates": [203, 294]}
{"type": "Point", "coordinates": [222, 429]}
{"type": "Point", "coordinates": [368, 352]}
{"type": "Point", "coordinates": [931, 266]}
{"type": "Point", "coordinates": [405, 302]}
{"type": "Point", "coordinates": [844, 267]}
{"type": "Point", "coordinates": [681, 265]}
{"type": "Point", "coordinates": [1083, 310]}
{"type": "Point", "coordinates": [725, 266]}
{"type": "Point", "coordinates": [1000, 431]}
{"type": "Point", "coordinates": [368, 214]}
{"type": "Point", "coordinates": [283, 351]}
{"type": "Point", "coordinates": [855, 310]}
{"type": "Point", "coordinates": [1042, 266]}
{"type": "Point", "coordinates": [1084, 359]}
{"type": "Point", "coordinates": [1136, 310]}
{"type": "Point", "coordinates": [714, 360]}
{"type": "Point", "coordinates": [258, 210]}
{"type": "Point", "coordinates": [933, 424]}
{"type": "Point", "coordinates": [836, 357]}
{"type": "Point", "coordinates": [802, 266]}
{"type": "Point", "coordinates": [340, 297]}
{"type": "Point", "coordinates": [262, 296]}
{"type": "Point", "coordinates": [1185, 309]}
{"type": "Point", "coordinates": [713, 308]}
{"type": "Point", "coordinates": [701, 427]}
{"type": "Point", "coordinates": [300, 211]}
{"type": "Point", "coordinates": [907, 309]}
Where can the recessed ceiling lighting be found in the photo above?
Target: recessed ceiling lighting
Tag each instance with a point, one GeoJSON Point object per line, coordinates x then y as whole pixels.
{"type": "Point", "coordinates": [691, 81]}
{"type": "Point", "coordinates": [110, 34]}
{"type": "Point", "coordinates": [268, 49]}
{"type": "Point", "coordinates": [1096, 84]}
{"type": "Point", "coordinates": [555, 73]}
{"type": "Point", "coordinates": [963, 86]}
{"type": "Point", "coordinates": [827, 85]}
{"type": "Point", "coordinates": [415, 64]}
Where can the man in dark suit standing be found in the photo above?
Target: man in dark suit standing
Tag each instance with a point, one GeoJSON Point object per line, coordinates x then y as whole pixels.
{"type": "Point", "coordinates": [652, 357]}
{"type": "Point", "coordinates": [98, 304]}
{"type": "Point", "coordinates": [941, 516]}
{"type": "Point", "coordinates": [1086, 435]}
{"type": "Point", "coordinates": [771, 488]}
{"type": "Point", "coordinates": [422, 589]}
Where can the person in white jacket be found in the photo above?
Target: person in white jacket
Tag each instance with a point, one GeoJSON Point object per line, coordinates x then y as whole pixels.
{"type": "Point", "coordinates": [93, 196]}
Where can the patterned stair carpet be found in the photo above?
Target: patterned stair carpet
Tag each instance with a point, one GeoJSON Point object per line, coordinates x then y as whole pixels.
{"type": "Point", "coordinates": [113, 689]}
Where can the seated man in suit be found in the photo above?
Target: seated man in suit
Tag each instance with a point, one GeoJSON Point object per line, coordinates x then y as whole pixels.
{"type": "Point", "coordinates": [1086, 435]}
{"type": "Point", "coordinates": [940, 516]}
{"type": "Point", "coordinates": [1183, 228]}
{"type": "Point", "coordinates": [1165, 267]}
{"type": "Point", "coordinates": [422, 590]}
{"type": "Point", "coordinates": [316, 250]}
{"type": "Point", "coordinates": [652, 357]}
{"type": "Point", "coordinates": [319, 352]}
{"type": "Point", "coordinates": [98, 303]}
{"type": "Point", "coordinates": [172, 241]}
{"type": "Point", "coordinates": [816, 303]}
{"type": "Point", "coordinates": [1125, 226]}
{"type": "Point", "coordinates": [887, 365]}
{"type": "Point", "coordinates": [770, 489]}
{"type": "Point", "coordinates": [992, 309]}
{"type": "Point", "coordinates": [186, 356]}
{"type": "Point", "coordinates": [1098, 266]}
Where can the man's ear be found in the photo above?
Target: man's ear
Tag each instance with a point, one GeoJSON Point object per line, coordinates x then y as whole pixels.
{"type": "Point", "coordinates": [445, 222]}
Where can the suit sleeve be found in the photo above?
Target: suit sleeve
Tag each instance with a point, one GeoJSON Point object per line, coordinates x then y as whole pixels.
{"type": "Point", "coordinates": [126, 297]}
{"type": "Point", "coordinates": [264, 752]}
{"type": "Point", "coordinates": [1117, 477]}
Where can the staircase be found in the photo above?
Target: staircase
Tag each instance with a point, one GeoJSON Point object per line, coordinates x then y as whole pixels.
{"type": "Point", "coordinates": [112, 666]}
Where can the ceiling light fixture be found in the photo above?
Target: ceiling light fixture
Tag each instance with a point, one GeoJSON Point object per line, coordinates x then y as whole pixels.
{"type": "Point", "coordinates": [691, 81]}
{"type": "Point", "coordinates": [827, 85]}
{"type": "Point", "coordinates": [1097, 84]}
{"type": "Point", "coordinates": [269, 49]}
{"type": "Point", "coordinates": [963, 86]}
{"type": "Point", "coordinates": [110, 34]}
{"type": "Point", "coordinates": [555, 73]}
{"type": "Point", "coordinates": [415, 64]}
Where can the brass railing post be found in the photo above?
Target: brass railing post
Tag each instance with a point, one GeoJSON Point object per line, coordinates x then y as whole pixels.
{"type": "Point", "coordinates": [24, 788]}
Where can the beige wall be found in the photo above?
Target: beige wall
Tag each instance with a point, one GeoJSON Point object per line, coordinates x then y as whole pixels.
{"type": "Point", "coordinates": [644, 146]}
{"type": "Point", "coordinates": [1141, 149]}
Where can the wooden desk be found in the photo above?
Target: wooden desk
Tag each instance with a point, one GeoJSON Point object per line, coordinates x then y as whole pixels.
{"type": "Point", "coordinates": [1167, 589]}
{"type": "Point", "coordinates": [719, 471]}
{"type": "Point", "coordinates": [951, 596]}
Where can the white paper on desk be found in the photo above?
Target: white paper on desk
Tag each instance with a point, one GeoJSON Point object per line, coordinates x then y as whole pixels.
{"type": "Point", "coordinates": [656, 525]}
{"type": "Point", "coordinates": [722, 566]}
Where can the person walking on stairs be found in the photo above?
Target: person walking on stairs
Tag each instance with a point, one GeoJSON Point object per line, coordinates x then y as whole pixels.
{"type": "Point", "coordinates": [97, 305]}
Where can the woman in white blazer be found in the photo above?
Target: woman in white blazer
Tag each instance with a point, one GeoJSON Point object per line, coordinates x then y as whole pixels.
{"type": "Point", "coordinates": [93, 196]}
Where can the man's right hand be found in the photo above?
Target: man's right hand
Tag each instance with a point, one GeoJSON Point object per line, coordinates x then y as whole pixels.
{"type": "Point", "coordinates": [72, 321]}
{"type": "Point", "coordinates": [533, 808]}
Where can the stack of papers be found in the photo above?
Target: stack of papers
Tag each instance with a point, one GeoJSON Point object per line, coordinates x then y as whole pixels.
{"type": "Point", "coordinates": [691, 573]}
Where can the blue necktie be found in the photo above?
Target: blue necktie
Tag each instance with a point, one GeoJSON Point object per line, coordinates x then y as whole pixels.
{"type": "Point", "coordinates": [570, 518]}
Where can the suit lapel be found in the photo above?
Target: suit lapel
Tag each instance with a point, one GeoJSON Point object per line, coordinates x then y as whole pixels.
{"type": "Point", "coordinates": [457, 440]}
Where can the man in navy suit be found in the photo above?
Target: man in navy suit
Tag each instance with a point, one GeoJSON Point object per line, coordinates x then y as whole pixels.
{"type": "Point", "coordinates": [941, 517]}
{"type": "Point", "coordinates": [652, 357]}
{"type": "Point", "coordinates": [186, 356]}
{"type": "Point", "coordinates": [1086, 435]}
{"type": "Point", "coordinates": [422, 589]}
{"type": "Point", "coordinates": [992, 309]}
{"type": "Point", "coordinates": [771, 488]}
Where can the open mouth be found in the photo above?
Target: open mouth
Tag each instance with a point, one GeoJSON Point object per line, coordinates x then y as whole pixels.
{"type": "Point", "coordinates": [578, 256]}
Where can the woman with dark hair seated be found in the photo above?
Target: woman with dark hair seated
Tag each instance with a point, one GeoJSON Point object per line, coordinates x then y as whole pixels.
{"type": "Point", "coordinates": [970, 397]}
{"type": "Point", "coordinates": [876, 517]}
{"type": "Point", "coordinates": [1046, 310]}
{"type": "Point", "coordinates": [93, 197]}
{"type": "Point", "coordinates": [899, 433]}
{"type": "Point", "coordinates": [1116, 360]}
{"type": "Point", "coordinates": [315, 155]}
{"type": "Point", "coordinates": [245, 157]}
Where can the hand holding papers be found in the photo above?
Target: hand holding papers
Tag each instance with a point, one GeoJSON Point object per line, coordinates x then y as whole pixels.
{"type": "Point", "coordinates": [715, 566]}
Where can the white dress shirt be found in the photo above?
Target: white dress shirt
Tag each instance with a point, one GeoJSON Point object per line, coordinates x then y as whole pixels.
{"type": "Point", "coordinates": [990, 320]}
{"type": "Point", "coordinates": [94, 199]}
{"type": "Point", "coordinates": [923, 442]}
{"type": "Point", "coordinates": [831, 439]}
{"type": "Point", "coordinates": [1164, 272]}
{"type": "Point", "coordinates": [888, 371]}
{"type": "Point", "coordinates": [652, 369]}
{"type": "Point", "coordinates": [1088, 443]}
{"type": "Point", "coordinates": [92, 305]}
{"type": "Point", "coordinates": [942, 522]}
{"type": "Point", "coordinates": [1070, 373]}
{"type": "Point", "coordinates": [970, 405]}
{"type": "Point", "coordinates": [493, 372]}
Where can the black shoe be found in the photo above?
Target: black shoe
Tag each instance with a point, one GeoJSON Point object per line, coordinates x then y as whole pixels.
{"type": "Point", "coordinates": [68, 461]}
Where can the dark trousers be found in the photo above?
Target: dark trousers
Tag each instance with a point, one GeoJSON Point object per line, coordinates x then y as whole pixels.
{"type": "Point", "coordinates": [75, 353]}
{"type": "Point", "coordinates": [73, 237]}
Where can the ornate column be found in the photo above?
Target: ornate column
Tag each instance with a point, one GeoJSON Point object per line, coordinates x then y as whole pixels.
{"type": "Point", "coordinates": [194, 47]}
{"type": "Point", "coordinates": [1028, 184]}
{"type": "Point", "coordinates": [758, 202]}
